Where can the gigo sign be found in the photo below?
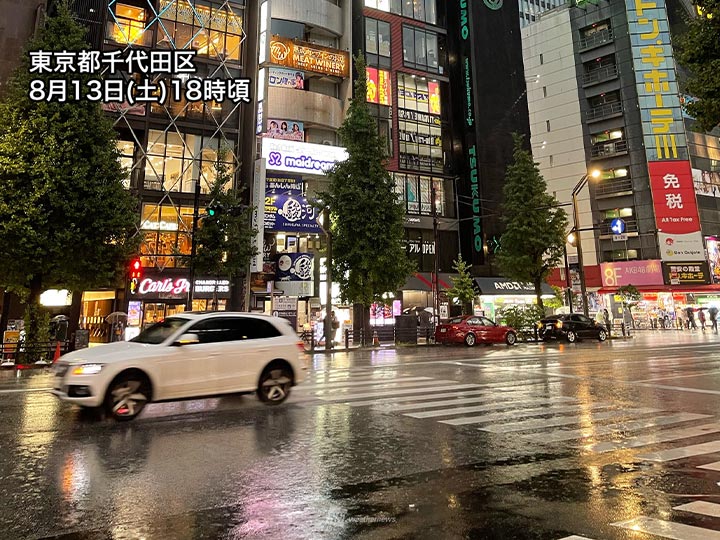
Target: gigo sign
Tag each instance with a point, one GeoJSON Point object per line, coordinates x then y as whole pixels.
{"type": "Point", "coordinates": [167, 286]}
{"type": "Point", "coordinates": [300, 157]}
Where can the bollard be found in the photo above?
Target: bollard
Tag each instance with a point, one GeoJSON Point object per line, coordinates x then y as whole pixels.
{"type": "Point", "coordinates": [312, 339]}
{"type": "Point", "coordinates": [427, 336]}
{"type": "Point", "coordinates": [347, 338]}
{"type": "Point", "coordinates": [622, 327]}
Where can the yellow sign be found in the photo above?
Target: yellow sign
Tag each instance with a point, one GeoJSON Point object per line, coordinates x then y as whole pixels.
{"type": "Point", "coordinates": [309, 57]}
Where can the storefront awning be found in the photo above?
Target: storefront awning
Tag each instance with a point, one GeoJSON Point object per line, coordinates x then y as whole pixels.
{"type": "Point", "coordinates": [504, 287]}
{"type": "Point", "coordinates": [422, 281]}
{"type": "Point", "coordinates": [687, 289]}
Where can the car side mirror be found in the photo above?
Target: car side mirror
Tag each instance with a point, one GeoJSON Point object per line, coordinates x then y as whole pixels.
{"type": "Point", "coordinates": [187, 339]}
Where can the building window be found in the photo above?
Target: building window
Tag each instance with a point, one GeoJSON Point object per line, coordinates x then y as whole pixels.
{"type": "Point", "coordinates": [377, 37]}
{"type": "Point", "coordinates": [415, 193]}
{"type": "Point", "coordinates": [174, 161]}
{"type": "Point", "coordinates": [212, 31]}
{"type": "Point", "coordinates": [541, 59]}
{"type": "Point", "coordinates": [544, 91]}
{"type": "Point", "coordinates": [128, 26]}
{"type": "Point", "coordinates": [166, 235]}
{"type": "Point", "coordinates": [419, 124]}
{"type": "Point", "coordinates": [420, 49]}
{"type": "Point", "coordinates": [420, 10]}
{"type": "Point", "coordinates": [606, 136]}
{"type": "Point", "coordinates": [547, 124]}
{"type": "Point", "coordinates": [127, 158]}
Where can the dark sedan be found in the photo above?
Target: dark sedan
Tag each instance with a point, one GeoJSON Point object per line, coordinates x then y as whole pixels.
{"type": "Point", "coordinates": [571, 327]}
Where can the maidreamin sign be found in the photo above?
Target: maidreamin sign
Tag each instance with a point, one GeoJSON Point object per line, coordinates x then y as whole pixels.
{"type": "Point", "coordinates": [300, 157]}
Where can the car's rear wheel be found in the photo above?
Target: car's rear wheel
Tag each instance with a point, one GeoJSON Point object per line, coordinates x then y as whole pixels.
{"type": "Point", "coordinates": [470, 339]}
{"type": "Point", "coordinates": [602, 335]}
{"type": "Point", "coordinates": [127, 396]}
{"type": "Point", "coordinates": [275, 384]}
{"type": "Point", "coordinates": [571, 336]}
{"type": "Point", "coordinates": [511, 338]}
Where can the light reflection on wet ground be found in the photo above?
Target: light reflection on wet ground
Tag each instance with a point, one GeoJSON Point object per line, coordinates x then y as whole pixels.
{"type": "Point", "coordinates": [317, 467]}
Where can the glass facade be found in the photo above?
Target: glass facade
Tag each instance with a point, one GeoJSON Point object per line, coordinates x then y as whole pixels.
{"type": "Point", "coordinates": [166, 235]}
{"type": "Point", "coordinates": [415, 192]}
{"type": "Point", "coordinates": [419, 124]}
{"type": "Point", "coordinates": [420, 10]}
{"type": "Point", "coordinates": [420, 50]}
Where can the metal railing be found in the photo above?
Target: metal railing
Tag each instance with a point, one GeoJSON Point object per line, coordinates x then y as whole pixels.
{"type": "Point", "coordinates": [596, 39]}
{"type": "Point", "coordinates": [607, 149]}
{"type": "Point", "coordinates": [603, 111]}
{"type": "Point", "coordinates": [20, 354]}
{"type": "Point", "coordinates": [613, 187]}
{"type": "Point", "coordinates": [601, 74]}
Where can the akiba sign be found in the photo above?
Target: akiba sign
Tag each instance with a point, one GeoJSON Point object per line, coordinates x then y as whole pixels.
{"type": "Point", "coordinates": [300, 157]}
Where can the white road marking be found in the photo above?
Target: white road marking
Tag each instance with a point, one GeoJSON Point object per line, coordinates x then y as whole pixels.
{"type": "Point", "coordinates": [635, 425]}
{"type": "Point", "coordinates": [490, 407]}
{"type": "Point", "coordinates": [686, 451]}
{"type": "Point", "coordinates": [519, 413]}
{"type": "Point", "coordinates": [401, 399]}
{"type": "Point", "coordinates": [369, 382]}
{"type": "Point", "coordinates": [25, 390]}
{"type": "Point", "coordinates": [505, 400]}
{"type": "Point", "coordinates": [576, 537]}
{"type": "Point", "coordinates": [667, 529]}
{"type": "Point", "coordinates": [565, 421]}
{"type": "Point", "coordinates": [658, 437]}
{"type": "Point", "coordinates": [715, 466]}
{"type": "Point", "coordinates": [390, 392]}
{"type": "Point", "coordinates": [700, 507]}
{"type": "Point", "coordinates": [342, 390]}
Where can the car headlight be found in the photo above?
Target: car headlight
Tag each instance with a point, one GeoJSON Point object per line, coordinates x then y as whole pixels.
{"type": "Point", "coordinates": [559, 324]}
{"type": "Point", "coordinates": [87, 369]}
{"type": "Point", "coordinates": [539, 324]}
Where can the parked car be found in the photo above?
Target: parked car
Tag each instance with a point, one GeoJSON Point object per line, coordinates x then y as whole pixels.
{"type": "Point", "coordinates": [571, 327]}
{"type": "Point", "coordinates": [472, 329]}
{"type": "Point", "coordinates": [188, 355]}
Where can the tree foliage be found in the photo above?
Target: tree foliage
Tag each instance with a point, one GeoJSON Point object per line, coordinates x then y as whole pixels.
{"type": "Point", "coordinates": [630, 295]}
{"type": "Point", "coordinates": [534, 237]}
{"type": "Point", "coordinates": [369, 256]}
{"type": "Point", "coordinates": [66, 219]}
{"type": "Point", "coordinates": [225, 239]}
{"type": "Point", "coordinates": [698, 50]}
{"type": "Point", "coordinates": [462, 287]}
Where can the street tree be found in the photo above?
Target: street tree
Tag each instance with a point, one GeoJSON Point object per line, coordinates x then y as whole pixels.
{"type": "Point", "coordinates": [534, 238]}
{"type": "Point", "coordinates": [462, 286]}
{"type": "Point", "coordinates": [369, 256]}
{"type": "Point", "coordinates": [224, 240]}
{"type": "Point", "coordinates": [66, 220]}
{"type": "Point", "coordinates": [698, 50]}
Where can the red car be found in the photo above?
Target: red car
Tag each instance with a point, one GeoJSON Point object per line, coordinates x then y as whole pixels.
{"type": "Point", "coordinates": [471, 329]}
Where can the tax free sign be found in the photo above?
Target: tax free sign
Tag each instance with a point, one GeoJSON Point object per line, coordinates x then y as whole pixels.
{"type": "Point", "coordinates": [300, 157]}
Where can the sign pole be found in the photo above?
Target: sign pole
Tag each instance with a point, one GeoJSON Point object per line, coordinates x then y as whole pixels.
{"type": "Point", "coordinates": [193, 249]}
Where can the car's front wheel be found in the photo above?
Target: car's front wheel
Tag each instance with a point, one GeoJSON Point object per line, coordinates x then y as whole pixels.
{"type": "Point", "coordinates": [511, 338]}
{"type": "Point", "coordinates": [275, 384]}
{"type": "Point", "coordinates": [127, 396]}
{"type": "Point", "coordinates": [571, 336]}
{"type": "Point", "coordinates": [470, 339]}
{"type": "Point", "coordinates": [602, 335]}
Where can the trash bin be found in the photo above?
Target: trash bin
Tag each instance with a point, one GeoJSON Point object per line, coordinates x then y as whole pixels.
{"type": "Point", "coordinates": [406, 329]}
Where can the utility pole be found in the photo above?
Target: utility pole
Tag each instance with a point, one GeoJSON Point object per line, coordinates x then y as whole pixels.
{"type": "Point", "coordinates": [193, 249]}
{"type": "Point", "coordinates": [328, 276]}
{"type": "Point", "coordinates": [436, 295]}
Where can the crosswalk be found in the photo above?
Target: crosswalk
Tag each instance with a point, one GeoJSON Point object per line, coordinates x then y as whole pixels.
{"type": "Point", "coordinates": [534, 409]}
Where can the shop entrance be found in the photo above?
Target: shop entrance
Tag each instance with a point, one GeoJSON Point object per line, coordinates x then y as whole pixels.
{"type": "Point", "coordinates": [157, 311]}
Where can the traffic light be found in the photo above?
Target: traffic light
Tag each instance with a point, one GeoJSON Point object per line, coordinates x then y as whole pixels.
{"type": "Point", "coordinates": [135, 269]}
{"type": "Point", "coordinates": [214, 209]}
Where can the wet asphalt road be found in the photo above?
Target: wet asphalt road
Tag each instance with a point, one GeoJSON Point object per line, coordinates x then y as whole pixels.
{"type": "Point", "coordinates": [604, 441]}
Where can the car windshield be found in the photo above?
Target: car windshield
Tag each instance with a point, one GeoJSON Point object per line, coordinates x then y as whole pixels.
{"type": "Point", "coordinates": [159, 332]}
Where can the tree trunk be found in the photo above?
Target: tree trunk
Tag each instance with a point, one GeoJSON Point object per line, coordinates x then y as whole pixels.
{"type": "Point", "coordinates": [32, 314]}
{"type": "Point", "coordinates": [538, 294]}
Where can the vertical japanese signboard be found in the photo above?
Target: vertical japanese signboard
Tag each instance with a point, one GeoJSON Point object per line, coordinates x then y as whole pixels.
{"type": "Point", "coordinates": [671, 184]}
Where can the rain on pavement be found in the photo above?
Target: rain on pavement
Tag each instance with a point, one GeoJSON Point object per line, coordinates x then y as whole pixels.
{"type": "Point", "coordinates": [605, 441]}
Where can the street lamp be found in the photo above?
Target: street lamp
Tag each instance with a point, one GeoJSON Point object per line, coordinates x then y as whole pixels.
{"type": "Point", "coordinates": [578, 237]}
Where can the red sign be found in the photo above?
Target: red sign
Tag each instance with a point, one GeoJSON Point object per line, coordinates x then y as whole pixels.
{"type": "Point", "coordinates": [384, 94]}
{"type": "Point", "coordinates": [372, 84]}
{"type": "Point", "coordinates": [620, 273]}
{"type": "Point", "coordinates": [673, 196]}
{"type": "Point", "coordinates": [434, 97]}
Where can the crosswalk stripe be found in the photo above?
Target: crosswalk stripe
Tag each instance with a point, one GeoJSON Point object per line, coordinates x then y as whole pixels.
{"type": "Point", "coordinates": [410, 384]}
{"type": "Point", "coordinates": [358, 382]}
{"type": "Point", "coordinates": [391, 392]}
{"type": "Point", "coordinates": [659, 437]}
{"type": "Point", "coordinates": [686, 451]}
{"type": "Point", "coordinates": [715, 466]}
{"type": "Point", "coordinates": [502, 401]}
{"type": "Point", "coordinates": [427, 397]}
{"type": "Point", "coordinates": [700, 507]}
{"type": "Point", "coordinates": [668, 529]}
{"type": "Point", "coordinates": [515, 413]}
{"type": "Point", "coordinates": [565, 421]}
{"type": "Point", "coordinates": [576, 537]}
{"type": "Point", "coordinates": [635, 425]}
{"type": "Point", "coordinates": [342, 384]}
{"type": "Point", "coordinates": [490, 407]}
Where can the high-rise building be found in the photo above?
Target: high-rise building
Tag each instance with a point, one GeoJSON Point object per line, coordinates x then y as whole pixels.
{"type": "Point", "coordinates": [607, 99]}
{"type": "Point", "coordinates": [530, 10]}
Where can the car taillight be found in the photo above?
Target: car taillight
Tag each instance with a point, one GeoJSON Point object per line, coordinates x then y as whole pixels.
{"type": "Point", "coordinates": [558, 324]}
{"type": "Point", "coordinates": [453, 327]}
{"type": "Point", "coordinates": [301, 346]}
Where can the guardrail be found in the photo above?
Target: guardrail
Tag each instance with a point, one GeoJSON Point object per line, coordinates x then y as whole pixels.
{"type": "Point", "coordinates": [18, 354]}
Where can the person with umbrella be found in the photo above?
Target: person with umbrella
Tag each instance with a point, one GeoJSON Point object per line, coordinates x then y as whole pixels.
{"type": "Point", "coordinates": [713, 312]}
{"type": "Point", "coordinates": [701, 318]}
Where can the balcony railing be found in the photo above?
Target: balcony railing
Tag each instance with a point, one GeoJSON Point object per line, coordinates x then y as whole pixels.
{"type": "Point", "coordinates": [607, 149]}
{"type": "Point", "coordinates": [617, 186]}
{"type": "Point", "coordinates": [599, 75]}
{"type": "Point", "coordinates": [596, 39]}
{"type": "Point", "coordinates": [604, 111]}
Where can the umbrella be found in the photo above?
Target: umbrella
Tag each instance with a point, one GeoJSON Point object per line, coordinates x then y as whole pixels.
{"type": "Point", "coordinates": [116, 316]}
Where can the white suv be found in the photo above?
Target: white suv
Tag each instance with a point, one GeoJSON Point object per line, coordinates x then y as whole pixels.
{"type": "Point", "coordinates": [185, 356]}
